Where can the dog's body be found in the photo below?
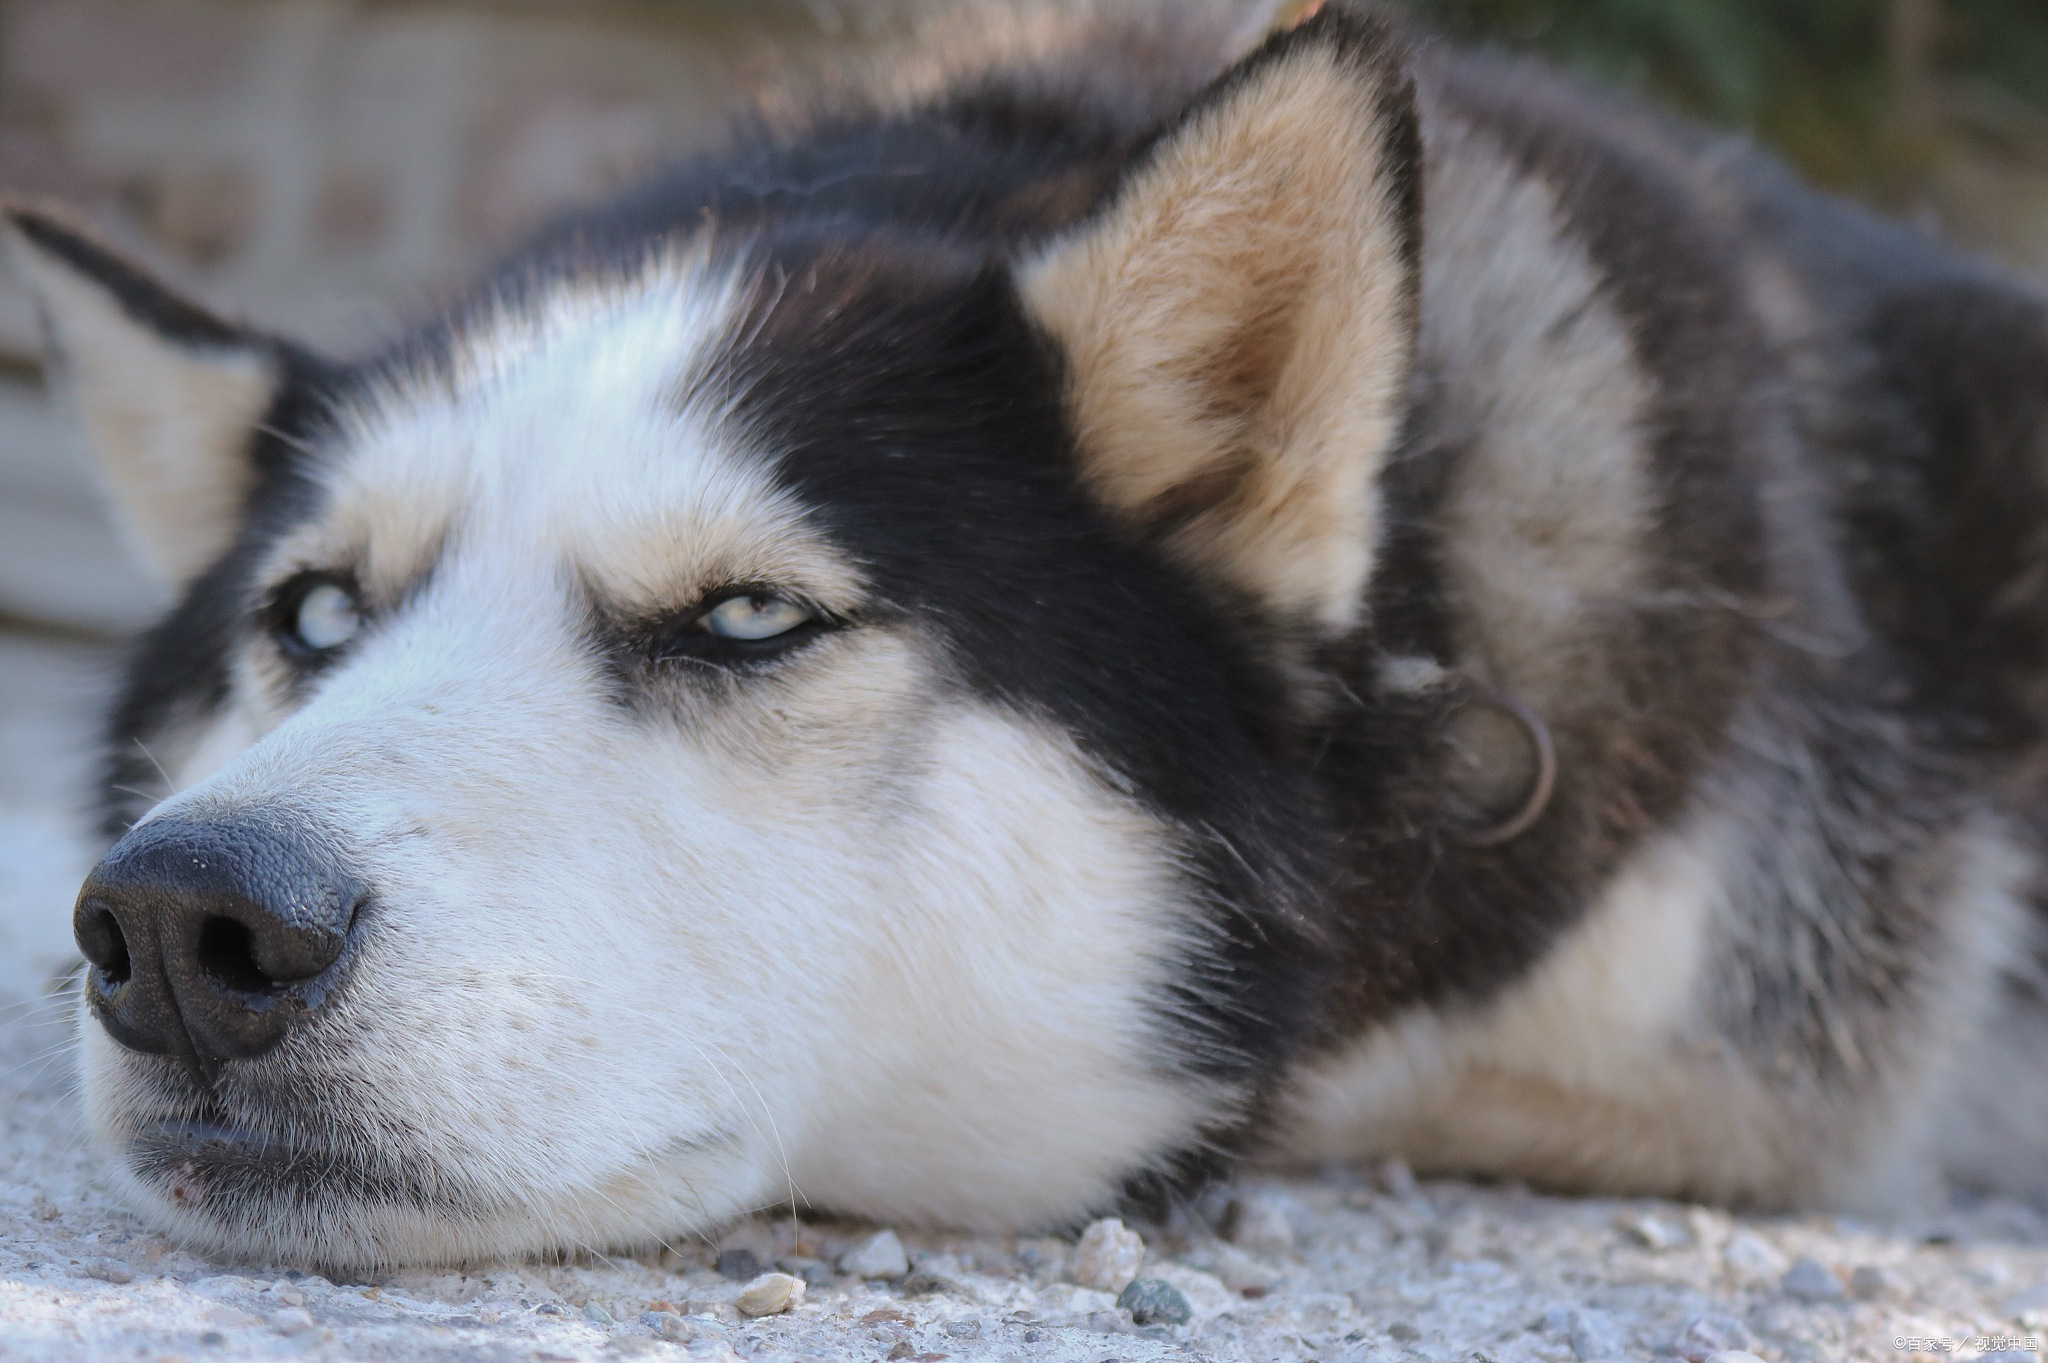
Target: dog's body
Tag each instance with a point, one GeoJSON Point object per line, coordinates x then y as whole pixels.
{"type": "Point", "coordinates": [998, 646]}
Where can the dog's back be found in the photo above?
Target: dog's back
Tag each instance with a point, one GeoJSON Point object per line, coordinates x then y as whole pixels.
{"type": "Point", "coordinates": [1772, 572]}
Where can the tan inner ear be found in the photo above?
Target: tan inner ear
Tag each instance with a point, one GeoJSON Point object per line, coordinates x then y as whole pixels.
{"type": "Point", "coordinates": [1239, 326]}
{"type": "Point", "coordinates": [169, 425]}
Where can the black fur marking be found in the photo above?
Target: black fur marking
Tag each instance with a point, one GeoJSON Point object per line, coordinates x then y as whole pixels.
{"type": "Point", "coordinates": [912, 404]}
{"type": "Point", "coordinates": [142, 298]}
{"type": "Point", "coordinates": [1434, 922]}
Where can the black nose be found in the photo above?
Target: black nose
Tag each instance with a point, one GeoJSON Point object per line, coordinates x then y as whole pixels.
{"type": "Point", "coordinates": [211, 939]}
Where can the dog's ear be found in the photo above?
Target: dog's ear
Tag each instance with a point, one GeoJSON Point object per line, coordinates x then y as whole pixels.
{"type": "Point", "coordinates": [1239, 319]}
{"type": "Point", "coordinates": [169, 394]}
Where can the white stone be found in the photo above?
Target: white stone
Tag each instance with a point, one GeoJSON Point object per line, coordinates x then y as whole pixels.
{"type": "Point", "coordinates": [1260, 1225]}
{"type": "Point", "coordinates": [1108, 1257]}
{"type": "Point", "coordinates": [1593, 1334]}
{"type": "Point", "coordinates": [1656, 1233]}
{"type": "Point", "coordinates": [1812, 1280]}
{"type": "Point", "coordinates": [1207, 1294]}
{"type": "Point", "coordinates": [292, 1320]}
{"type": "Point", "coordinates": [881, 1255]}
{"type": "Point", "coordinates": [1235, 1269]}
{"type": "Point", "coordinates": [770, 1294]}
{"type": "Point", "coordinates": [1749, 1255]}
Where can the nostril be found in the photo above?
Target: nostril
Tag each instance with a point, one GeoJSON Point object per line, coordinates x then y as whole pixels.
{"type": "Point", "coordinates": [227, 952]}
{"type": "Point", "coordinates": [101, 939]}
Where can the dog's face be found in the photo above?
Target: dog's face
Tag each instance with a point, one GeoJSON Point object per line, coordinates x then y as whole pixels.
{"type": "Point", "coordinates": [759, 716]}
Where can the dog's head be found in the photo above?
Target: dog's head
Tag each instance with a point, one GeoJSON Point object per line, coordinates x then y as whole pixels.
{"type": "Point", "coordinates": [795, 705]}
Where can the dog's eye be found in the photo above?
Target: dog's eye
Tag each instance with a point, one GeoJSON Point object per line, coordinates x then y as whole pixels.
{"type": "Point", "coordinates": [323, 616]}
{"type": "Point", "coordinates": [754, 617]}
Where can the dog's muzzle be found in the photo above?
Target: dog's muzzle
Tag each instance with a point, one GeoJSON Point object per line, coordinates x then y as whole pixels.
{"type": "Point", "coordinates": [211, 939]}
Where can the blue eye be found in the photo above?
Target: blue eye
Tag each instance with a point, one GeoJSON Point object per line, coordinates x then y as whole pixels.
{"type": "Point", "coordinates": [754, 617]}
{"type": "Point", "coordinates": [327, 617]}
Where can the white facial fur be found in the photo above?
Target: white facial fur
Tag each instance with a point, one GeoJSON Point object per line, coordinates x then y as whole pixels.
{"type": "Point", "coordinates": [837, 933]}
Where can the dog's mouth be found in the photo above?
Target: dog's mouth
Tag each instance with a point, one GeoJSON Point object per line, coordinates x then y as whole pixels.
{"type": "Point", "coordinates": [231, 1169]}
{"type": "Point", "coordinates": [222, 1168]}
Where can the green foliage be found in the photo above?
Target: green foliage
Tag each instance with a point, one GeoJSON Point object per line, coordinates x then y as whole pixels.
{"type": "Point", "coordinates": [1862, 94]}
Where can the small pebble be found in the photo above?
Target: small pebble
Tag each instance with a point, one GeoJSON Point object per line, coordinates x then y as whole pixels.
{"type": "Point", "coordinates": [1706, 1336]}
{"type": "Point", "coordinates": [1401, 1332]}
{"type": "Point", "coordinates": [107, 1271]}
{"type": "Point", "coordinates": [596, 1314]}
{"type": "Point", "coordinates": [1108, 1256]}
{"type": "Point", "coordinates": [1655, 1233]}
{"type": "Point", "coordinates": [1236, 1270]}
{"type": "Point", "coordinates": [1154, 1301]}
{"type": "Point", "coordinates": [740, 1265]}
{"type": "Point", "coordinates": [1260, 1225]}
{"type": "Point", "coordinates": [881, 1255]}
{"type": "Point", "coordinates": [1038, 1257]}
{"type": "Point", "coordinates": [963, 1329]}
{"type": "Point", "coordinates": [814, 1272]}
{"type": "Point", "coordinates": [1870, 1283]}
{"type": "Point", "coordinates": [1752, 1256]}
{"type": "Point", "coordinates": [926, 1281]}
{"type": "Point", "coordinates": [291, 1321]}
{"type": "Point", "coordinates": [770, 1294]}
{"type": "Point", "coordinates": [287, 1293]}
{"type": "Point", "coordinates": [680, 1329]}
{"type": "Point", "coordinates": [1593, 1335]}
{"type": "Point", "coordinates": [1811, 1280]}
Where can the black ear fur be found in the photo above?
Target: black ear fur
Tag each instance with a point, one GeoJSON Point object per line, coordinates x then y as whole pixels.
{"type": "Point", "coordinates": [145, 300]}
{"type": "Point", "coordinates": [173, 399]}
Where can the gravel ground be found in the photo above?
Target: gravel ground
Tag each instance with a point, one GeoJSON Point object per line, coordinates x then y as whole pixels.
{"type": "Point", "coordinates": [1339, 1265]}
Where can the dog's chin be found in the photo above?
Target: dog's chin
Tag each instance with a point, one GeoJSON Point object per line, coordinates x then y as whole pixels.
{"type": "Point", "coordinates": [240, 1172]}
{"type": "Point", "coordinates": [233, 1190]}
{"type": "Point", "coordinates": [315, 1190]}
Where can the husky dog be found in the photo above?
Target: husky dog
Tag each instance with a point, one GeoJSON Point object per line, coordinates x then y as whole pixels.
{"type": "Point", "coordinates": [1111, 603]}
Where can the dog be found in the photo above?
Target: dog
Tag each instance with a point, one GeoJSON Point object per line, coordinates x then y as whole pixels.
{"type": "Point", "coordinates": [1115, 599]}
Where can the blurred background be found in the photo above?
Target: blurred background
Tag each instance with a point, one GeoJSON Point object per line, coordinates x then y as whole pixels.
{"type": "Point", "coordinates": [329, 167]}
